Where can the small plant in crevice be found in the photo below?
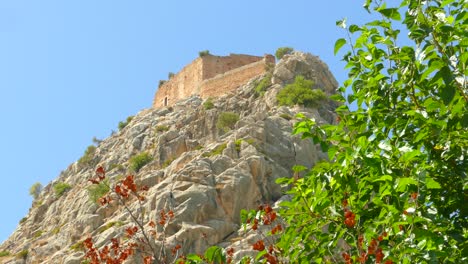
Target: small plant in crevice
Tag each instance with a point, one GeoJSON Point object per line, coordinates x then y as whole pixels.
{"type": "Point", "coordinates": [88, 156]}
{"type": "Point", "coordinates": [227, 121]}
{"type": "Point", "coordinates": [123, 124]}
{"type": "Point", "coordinates": [161, 128]}
{"type": "Point", "coordinates": [167, 162]}
{"type": "Point", "coordinates": [216, 151]}
{"type": "Point", "coordinates": [161, 82]}
{"type": "Point", "coordinates": [61, 187]}
{"type": "Point", "coordinates": [4, 253]}
{"type": "Point", "coordinates": [208, 104]}
{"type": "Point", "coordinates": [262, 85]}
{"type": "Point", "coordinates": [23, 254]}
{"type": "Point", "coordinates": [138, 161]}
{"type": "Point", "coordinates": [170, 75]}
{"type": "Point", "coordinates": [286, 116]}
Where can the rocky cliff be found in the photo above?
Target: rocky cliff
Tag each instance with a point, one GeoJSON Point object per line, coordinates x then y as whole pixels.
{"type": "Point", "coordinates": [204, 174]}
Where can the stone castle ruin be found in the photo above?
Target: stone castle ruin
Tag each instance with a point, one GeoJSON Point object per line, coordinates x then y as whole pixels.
{"type": "Point", "coordinates": [211, 76]}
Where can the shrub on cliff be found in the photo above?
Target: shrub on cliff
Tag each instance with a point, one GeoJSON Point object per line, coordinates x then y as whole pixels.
{"type": "Point", "coordinates": [96, 191]}
{"type": "Point", "coordinates": [300, 92]}
{"type": "Point", "coordinates": [280, 52]}
{"type": "Point", "coordinates": [61, 187]}
{"type": "Point", "coordinates": [227, 120]}
{"type": "Point", "coordinates": [123, 124]}
{"type": "Point", "coordinates": [208, 104]}
{"type": "Point", "coordinates": [138, 161]}
{"type": "Point", "coordinates": [262, 85]}
{"type": "Point", "coordinates": [88, 156]}
{"type": "Point", "coordinates": [35, 190]}
{"type": "Point", "coordinates": [203, 53]}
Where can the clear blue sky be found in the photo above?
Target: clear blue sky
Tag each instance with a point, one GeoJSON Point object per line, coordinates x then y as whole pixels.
{"type": "Point", "coordinates": [71, 70]}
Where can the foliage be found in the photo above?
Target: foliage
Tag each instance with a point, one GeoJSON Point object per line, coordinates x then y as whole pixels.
{"type": "Point", "coordinates": [35, 190]}
{"type": "Point", "coordinates": [4, 253]}
{"type": "Point", "coordinates": [167, 162]}
{"type": "Point", "coordinates": [38, 233]}
{"type": "Point", "coordinates": [61, 187]}
{"type": "Point", "coordinates": [23, 254]}
{"type": "Point", "coordinates": [262, 85]}
{"type": "Point", "coordinates": [87, 158]}
{"type": "Point", "coordinates": [161, 128]}
{"type": "Point", "coordinates": [161, 82]}
{"type": "Point", "coordinates": [208, 104]}
{"type": "Point", "coordinates": [138, 236]}
{"type": "Point", "coordinates": [395, 188]}
{"type": "Point", "coordinates": [216, 151]}
{"type": "Point", "coordinates": [300, 92]}
{"type": "Point", "coordinates": [96, 191]}
{"type": "Point", "coordinates": [109, 224]}
{"type": "Point", "coordinates": [227, 120]}
{"type": "Point", "coordinates": [286, 116]}
{"type": "Point", "coordinates": [203, 53]}
{"type": "Point", "coordinates": [123, 124]}
{"type": "Point", "coordinates": [170, 75]}
{"type": "Point", "coordinates": [280, 52]}
{"type": "Point", "coordinates": [22, 220]}
{"type": "Point", "coordinates": [138, 161]}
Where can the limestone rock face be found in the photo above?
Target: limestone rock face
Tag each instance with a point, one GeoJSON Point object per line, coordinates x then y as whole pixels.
{"type": "Point", "coordinates": [204, 174]}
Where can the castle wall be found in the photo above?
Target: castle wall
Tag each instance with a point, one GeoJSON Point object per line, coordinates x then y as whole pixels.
{"type": "Point", "coordinates": [210, 76]}
{"type": "Point", "coordinates": [181, 85]}
{"type": "Point", "coordinates": [214, 65]}
{"type": "Point", "coordinates": [231, 80]}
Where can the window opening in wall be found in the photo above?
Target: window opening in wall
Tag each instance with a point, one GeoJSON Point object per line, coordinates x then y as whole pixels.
{"type": "Point", "coordinates": [165, 101]}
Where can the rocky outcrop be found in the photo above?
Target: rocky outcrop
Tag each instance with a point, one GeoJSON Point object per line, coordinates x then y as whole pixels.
{"type": "Point", "coordinates": [204, 174]}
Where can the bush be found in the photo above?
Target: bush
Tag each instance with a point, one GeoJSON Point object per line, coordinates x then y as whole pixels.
{"type": "Point", "coordinates": [170, 75]}
{"type": "Point", "coordinates": [60, 188]}
{"type": "Point", "coordinates": [87, 158]}
{"type": "Point", "coordinates": [140, 160]}
{"type": "Point", "coordinates": [208, 104]}
{"type": "Point", "coordinates": [123, 124]}
{"type": "Point", "coordinates": [161, 129]}
{"type": "Point", "coordinates": [227, 120]}
{"type": "Point", "coordinates": [286, 116]}
{"type": "Point", "coordinates": [161, 82]}
{"type": "Point", "coordinates": [280, 52]}
{"type": "Point", "coordinates": [23, 254]}
{"type": "Point", "coordinates": [96, 191]}
{"type": "Point", "coordinates": [216, 151]}
{"type": "Point", "coordinates": [35, 190]}
{"type": "Point", "coordinates": [38, 233]}
{"type": "Point", "coordinates": [262, 85]}
{"type": "Point", "coordinates": [4, 253]}
{"type": "Point", "coordinates": [300, 93]}
{"type": "Point", "coordinates": [23, 220]}
{"type": "Point", "coordinates": [203, 53]}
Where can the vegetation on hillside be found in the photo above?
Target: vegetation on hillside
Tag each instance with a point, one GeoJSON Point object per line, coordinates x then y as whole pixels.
{"type": "Point", "coordinates": [300, 92]}
{"type": "Point", "coordinates": [35, 190]}
{"type": "Point", "coordinates": [280, 52]}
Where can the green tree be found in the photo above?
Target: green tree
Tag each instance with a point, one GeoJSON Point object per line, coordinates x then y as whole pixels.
{"type": "Point", "coordinates": [395, 187]}
{"type": "Point", "coordinates": [300, 92]}
{"type": "Point", "coordinates": [35, 190]}
{"type": "Point", "coordinates": [280, 52]}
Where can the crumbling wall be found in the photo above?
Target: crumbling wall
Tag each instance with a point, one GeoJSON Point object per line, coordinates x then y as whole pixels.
{"type": "Point", "coordinates": [211, 76]}
{"type": "Point", "coordinates": [231, 80]}
{"type": "Point", "coordinates": [181, 85]}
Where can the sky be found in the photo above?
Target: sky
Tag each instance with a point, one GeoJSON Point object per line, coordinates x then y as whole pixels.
{"type": "Point", "coordinates": [71, 70]}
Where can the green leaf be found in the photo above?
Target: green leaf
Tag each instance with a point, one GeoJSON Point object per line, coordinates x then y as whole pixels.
{"type": "Point", "coordinates": [402, 183]}
{"type": "Point", "coordinates": [391, 13]}
{"type": "Point", "coordinates": [215, 255]}
{"type": "Point", "coordinates": [432, 184]}
{"type": "Point", "coordinates": [338, 44]}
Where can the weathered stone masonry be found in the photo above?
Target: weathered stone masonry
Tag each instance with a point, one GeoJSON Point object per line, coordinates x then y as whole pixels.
{"type": "Point", "coordinates": [211, 76]}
